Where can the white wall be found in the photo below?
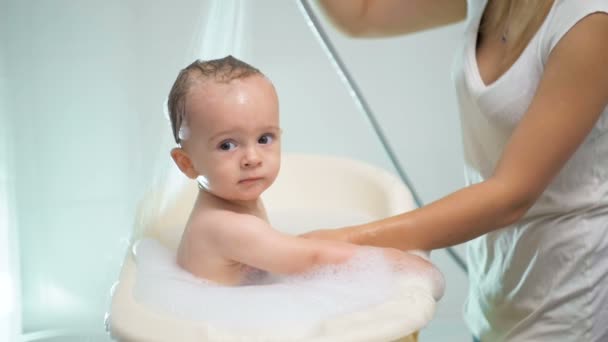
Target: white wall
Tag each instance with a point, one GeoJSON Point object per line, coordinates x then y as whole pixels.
{"type": "Point", "coordinates": [10, 317]}
{"type": "Point", "coordinates": [87, 86]}
{"type": "Point", "coordinates": [88, 80]}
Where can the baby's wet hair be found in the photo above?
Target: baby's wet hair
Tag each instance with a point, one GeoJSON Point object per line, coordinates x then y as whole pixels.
{"type": "Point", "coordinates": [221, 70]}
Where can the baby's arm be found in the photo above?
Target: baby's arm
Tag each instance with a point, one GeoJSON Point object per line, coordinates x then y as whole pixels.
{"type": "Point", "coordinates": [249, 240]}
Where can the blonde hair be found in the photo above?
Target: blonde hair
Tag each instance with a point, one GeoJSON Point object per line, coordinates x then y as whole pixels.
{"type": "Point", "coordinates": [518, 19]}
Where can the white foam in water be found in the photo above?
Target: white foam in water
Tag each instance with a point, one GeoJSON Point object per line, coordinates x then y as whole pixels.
{"type": "Point", "coordinates": [289, 307]}
{"type": "Point", "coordinates": [295, 303]}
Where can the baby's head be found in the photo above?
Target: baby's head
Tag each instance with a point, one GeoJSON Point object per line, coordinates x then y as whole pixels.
{"type": "Point", "coordinates": [225, 117]}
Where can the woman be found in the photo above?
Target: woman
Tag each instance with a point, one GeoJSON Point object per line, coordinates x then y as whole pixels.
{"type": "Point", "coordinates": [532, 83]}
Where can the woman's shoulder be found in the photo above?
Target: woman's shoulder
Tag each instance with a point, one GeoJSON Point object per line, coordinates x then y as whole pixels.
{"type": "Point", "coordinates": [564, 15]}
{"type": "Point", "coordinates": [569, 12]}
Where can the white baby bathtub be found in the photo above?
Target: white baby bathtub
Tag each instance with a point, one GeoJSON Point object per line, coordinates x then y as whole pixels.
{"type": "Point", "coordinates": [345, 192]}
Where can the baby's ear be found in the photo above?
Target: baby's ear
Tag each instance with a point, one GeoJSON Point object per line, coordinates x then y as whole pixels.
{"type": "Point", "coordinates": [183, 161]}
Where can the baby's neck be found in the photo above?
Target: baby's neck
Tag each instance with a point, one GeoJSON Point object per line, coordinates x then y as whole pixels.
{"type": "Point", "coordinates": [252, 207]}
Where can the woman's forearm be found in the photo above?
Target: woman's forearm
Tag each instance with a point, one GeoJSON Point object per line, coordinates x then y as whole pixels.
{"type": "Point", "coordinates": [381, 18]}
{"type": "Point", "coordinates": [459, 217]}
{"type": "Point", "coordinates": [346, 15]}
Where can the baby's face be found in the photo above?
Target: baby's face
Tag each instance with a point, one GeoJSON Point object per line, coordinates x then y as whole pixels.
{"type": "Point", "coordinates": [235, 136]}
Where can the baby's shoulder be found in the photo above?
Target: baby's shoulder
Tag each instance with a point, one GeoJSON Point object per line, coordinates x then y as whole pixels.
{"type": "Point", "coordinates": [216, 221]}
{"type": "Point", "coordinates": [221, 216]}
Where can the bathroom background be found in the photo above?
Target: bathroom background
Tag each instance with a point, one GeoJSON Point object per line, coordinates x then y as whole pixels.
{"type": "Point", "coordinates": [83, 133]}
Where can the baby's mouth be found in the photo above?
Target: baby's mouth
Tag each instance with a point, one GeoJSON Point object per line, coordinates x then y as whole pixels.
{"type": "Point", "coordinates": [250, 180]}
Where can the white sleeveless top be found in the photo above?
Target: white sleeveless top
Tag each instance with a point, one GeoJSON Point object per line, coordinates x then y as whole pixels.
{"type": "Point", "coordinates": [546, 277]}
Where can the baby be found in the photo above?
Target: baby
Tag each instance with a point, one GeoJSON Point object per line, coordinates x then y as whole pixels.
{"type": "Point", "coordinates": [225, 119]}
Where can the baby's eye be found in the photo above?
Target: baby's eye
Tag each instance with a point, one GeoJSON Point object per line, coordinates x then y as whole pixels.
{"type": "Point", "coordinates": [227, 145]}
{"type": "Point", "coordinates": [266, 139]}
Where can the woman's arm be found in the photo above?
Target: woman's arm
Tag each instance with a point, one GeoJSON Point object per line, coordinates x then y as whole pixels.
{"type": "Point", "coordinates": [568, 102]}
{"type": "Point", "coordinates": [374, 18]}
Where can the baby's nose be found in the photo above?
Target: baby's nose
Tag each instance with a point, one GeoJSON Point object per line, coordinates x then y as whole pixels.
{"type": "Point", "coordinates": [251, 158]}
